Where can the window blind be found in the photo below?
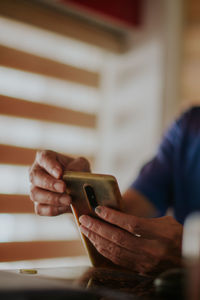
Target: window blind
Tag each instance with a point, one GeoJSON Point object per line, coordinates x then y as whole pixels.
{"type": "Point", "coordinates": [49, 98]}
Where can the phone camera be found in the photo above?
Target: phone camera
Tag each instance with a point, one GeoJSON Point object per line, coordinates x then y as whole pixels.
{"type": "Point", "coordinates": [91, 196]}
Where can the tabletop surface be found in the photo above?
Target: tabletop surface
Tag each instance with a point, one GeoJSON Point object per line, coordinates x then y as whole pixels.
{"type": "Point", "coordinates": [84, 278]}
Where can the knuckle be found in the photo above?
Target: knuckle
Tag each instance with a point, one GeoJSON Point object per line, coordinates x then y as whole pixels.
{"type": "Point", "coordinates": [92, 237]}
{"type": "Point", "coordinates": [118, 238]}
{"type": "Point", "coordinates": [55, 199]}
{"type": "Point", "coordinates": [93, 226]}
{"type": "Point", "coordinates": [42, 154]}
{"type": "Point", "coordinates": [47, 183]}
{"type": "Point", "coordinates": [33, 174]}
{"type": "Point", "coordinates": [51, 199]}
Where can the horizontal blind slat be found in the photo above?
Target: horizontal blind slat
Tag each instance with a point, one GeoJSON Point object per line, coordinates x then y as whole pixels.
{"type": "Point", "coordinates": [45, 112]}
{"type": "Point", "coordinates": [16, 251]}
{"type": "Point", "coordinates": [16, 155]}
{"type": "Point", "coordinates": [16, 59]}
{"type": "Point", "coordinates": [24, 156]}
{"type": "Point", "coordinates": [60, 22]}
{"type": "Point", "coordinates": [15, 204]}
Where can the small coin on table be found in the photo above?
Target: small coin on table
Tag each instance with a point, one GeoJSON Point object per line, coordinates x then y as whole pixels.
{"type": "Point", "coordinates": [28, 271]}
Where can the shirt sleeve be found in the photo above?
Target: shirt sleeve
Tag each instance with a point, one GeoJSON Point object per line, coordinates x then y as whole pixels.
{"type": "Point", "coordinates": [155, 180]}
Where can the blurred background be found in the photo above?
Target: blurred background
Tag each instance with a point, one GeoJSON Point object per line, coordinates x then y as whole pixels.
{"type": "Point", "coordinates": [101, 79]}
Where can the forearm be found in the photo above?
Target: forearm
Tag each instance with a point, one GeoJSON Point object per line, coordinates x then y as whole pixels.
{"type": "Point", "coordinates": [136, 204]}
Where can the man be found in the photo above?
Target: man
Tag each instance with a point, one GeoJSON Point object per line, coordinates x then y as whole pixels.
{"type": "Point", "coordinates": [134, 238]}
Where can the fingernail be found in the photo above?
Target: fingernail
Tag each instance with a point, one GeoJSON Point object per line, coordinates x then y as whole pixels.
{"type": "Point", "coordinates": [65, 200]}
{"type": "Point", "coordinates": [56, 172]}
{"type": "Point", "coordinates": [98, 210]}
{"type": "Point", "coordinates": [85, 221]}
{"type": "Point", "coordinates": [59, 187]}
{"type": "Point", "coordinates": [84, 230]}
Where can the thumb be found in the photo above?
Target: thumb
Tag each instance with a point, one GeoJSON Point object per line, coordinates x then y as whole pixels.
{"type": "Point", "coordinates": [79, 164]}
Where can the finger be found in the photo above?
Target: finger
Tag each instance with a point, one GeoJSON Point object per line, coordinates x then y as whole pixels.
{"type": "Point", "coordinates": [116, 254]}
{"type": "Point", "coordinates": [49, 210]}
{"type": "Point", "coordinates": [122, 220]}
{"type": "Point", "coordinates": [115, 235]}
{"type": "Point", "coordinates": [122, 238]}
{"type": "Point", "coordinates": [48, 161]}
{"type": "Point", "coordinates": [165, 229]}
{"type": "Point", "coordinates": [43, 180]}
{"type": "Point", "coordinates": [140, 227]}
{"type": "Point", "coordinates": [49, 198]}
{"type": "Point", "coordinates": [79, 164]}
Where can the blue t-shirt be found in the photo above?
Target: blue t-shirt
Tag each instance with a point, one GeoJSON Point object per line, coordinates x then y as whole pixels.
{"type": "Point", "coordinates": [172, 177]}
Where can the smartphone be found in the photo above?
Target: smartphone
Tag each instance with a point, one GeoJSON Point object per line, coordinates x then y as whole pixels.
{"type": "Point", "coordinates": [88, 190]}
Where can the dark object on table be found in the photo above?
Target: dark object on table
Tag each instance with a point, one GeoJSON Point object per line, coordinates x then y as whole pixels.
{"type": "Point", "coordinates": [171, 284]}
{"type": "Point", "coordinates": [119, 281]}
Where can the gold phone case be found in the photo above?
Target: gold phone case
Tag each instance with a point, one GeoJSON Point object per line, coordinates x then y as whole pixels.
{"type": "Point", "coordinates": [106, 192]}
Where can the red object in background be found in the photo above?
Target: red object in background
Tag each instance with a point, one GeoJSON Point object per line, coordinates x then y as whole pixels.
{"type": "Point", "coordinates": [121, 11]}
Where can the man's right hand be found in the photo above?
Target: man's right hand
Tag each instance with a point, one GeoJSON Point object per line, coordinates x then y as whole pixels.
{"type": "Point", "coordinates": [48, 190]}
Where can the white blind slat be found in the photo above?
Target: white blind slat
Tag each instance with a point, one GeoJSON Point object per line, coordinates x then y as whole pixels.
{"type": "Point", "coordinates": [49, 45]}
